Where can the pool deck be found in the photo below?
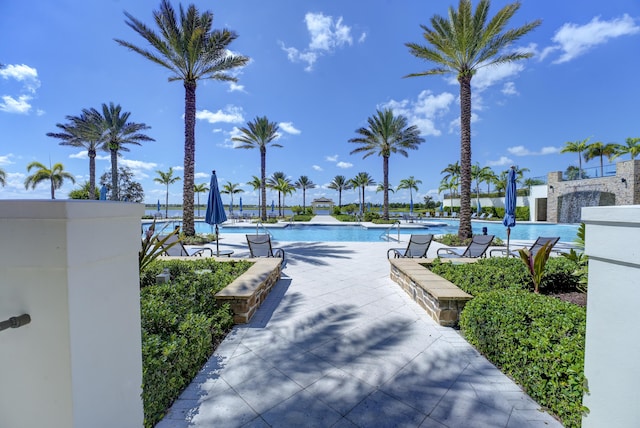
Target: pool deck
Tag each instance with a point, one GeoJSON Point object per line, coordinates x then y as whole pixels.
{"type": "Point", "coordinates": [338, 344]}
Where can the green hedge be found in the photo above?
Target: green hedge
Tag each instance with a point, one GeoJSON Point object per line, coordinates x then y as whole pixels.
{"type": "Point", "coordinates": [501, 273]}
{"type": "Point", "coordinates": [535, 339]}
{"type": "Point", "coordinates": [181, 325]}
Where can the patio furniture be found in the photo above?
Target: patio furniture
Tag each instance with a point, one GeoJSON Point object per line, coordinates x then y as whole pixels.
{"type": "Point", "coordinates": [535, 247]}
{"type": "Point", "coordinates": [417, 247]}
{"type": "Point", "coordinates": [476, 248]}
{"type": "Point", "coordinates": [174, 247]}
{"type": "Point", "coordinates": [260, 246]}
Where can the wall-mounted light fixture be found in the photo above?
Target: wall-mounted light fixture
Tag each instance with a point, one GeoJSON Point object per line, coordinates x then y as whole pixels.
{"type": "Point", "coordinates": [624, 180]}
{"type": "Point", "coordinates": [551, 187]}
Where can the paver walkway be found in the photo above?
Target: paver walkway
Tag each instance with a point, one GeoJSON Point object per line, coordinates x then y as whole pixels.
{"type": "Point", "coordinates": [338, 344]}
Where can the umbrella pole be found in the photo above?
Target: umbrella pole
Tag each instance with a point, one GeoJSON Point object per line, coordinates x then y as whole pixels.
{"type": "Point", "coordinates": [217, 242]}
{"type": "Point", "coordinates": [508, 236]}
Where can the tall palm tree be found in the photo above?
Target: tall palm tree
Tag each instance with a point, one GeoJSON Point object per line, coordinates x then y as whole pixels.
{"type": "Point", "coordinates": [487, 175]}
{"type": "Point", "coordinates": [231, 189]}
{"type": "Point", "coordinates": [273, 182]}
{"type": "Point", "coordinates": [259, 134]}
{"type": "Point", "coordinates": [193, 52]}
{"type": "Point", "coordinates": [452, 173]}
{"type": "Point", "coordinates": [304, 183]}
{"type": "Point", "coordinates": [461, 45]}
{"type": "Point", "coordinates": [632, 148]}
{"type": "Point", "coordinates": [118, 132]}
{"type": "Point", "coordinates": [500, 182]}
{"type": "Point", "coordinates": [385, 135]}
{"type": "Point", "coordinates": [380, 188]}
{"type": "Point", "coordinates": [165, 178]}
{"type": "Point", "coordinates": [84, 131]}
{"type": "Point", "coordinates": [256, 184]}
{"type": "Point", "coordinates": [197, 189]}
{"type": "Point", "coordinates": [284, 187]}
{"type": "Point", "coordinates": [409, 183]}
{"type": "Point", "coordinates": [450, 184]}
{"type": "Point", "coordinates": [576, 147]}
{"type": "Point", "coordinates": [56, 175]}
{"type": "Point", "coordinates": [530, 182]}
{"type": "Point", "coordinates": [339, 183]}
{"type": "Point", "coordinates": [3, 177]}
{"type": "Point", "coordinates": [361, 181]}
{"type": "Point", "coordinates": [599, 149]}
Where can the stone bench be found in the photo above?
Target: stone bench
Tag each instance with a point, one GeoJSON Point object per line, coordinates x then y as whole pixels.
{"type": "Point", "coordinates": [442, 299]}
{"type": "Point", "coordinates": [247, 292]}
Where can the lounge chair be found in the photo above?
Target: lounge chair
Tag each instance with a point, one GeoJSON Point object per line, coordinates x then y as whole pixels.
{"type": "Point", "coordinates": [417, 247]}
{"type": "Point", "coordinates": [535, 247]}
{"type": "Point", "coordinates": [476, 248]}
{"type": "Point", "coordinates": [437, 214]}
{"type": "Point", "coordinates": [489, 216]}
{"type": "Point", "coordinates": [174, 247]}
{"type": "Point", "coordinates": [427, 214]}
{"type": "Point", "coordinates": [260, 246]}
{"type": "Point", "coordinates": [454, 214]}
{"type": "Point", "coordinates": [474, 215]}
{"type": "Point", "coordinates": [482, 216]}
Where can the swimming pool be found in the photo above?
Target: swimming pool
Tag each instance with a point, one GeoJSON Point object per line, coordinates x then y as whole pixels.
{"type": "Point", "coordinates": [355, 233]}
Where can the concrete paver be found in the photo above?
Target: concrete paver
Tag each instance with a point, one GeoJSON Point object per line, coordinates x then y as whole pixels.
{"type": "Point", "coordinates": [338, 344]}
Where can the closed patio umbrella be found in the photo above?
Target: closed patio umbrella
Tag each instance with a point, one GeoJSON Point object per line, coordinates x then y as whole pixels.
{"type": "Point", "coordinates": [240, 207]}
{"type": "Point", "coordinates": [479, 207]}
{"type": "Point", "coordinates": [103, 193]}
{"type": "Point", "coordinates": [158, 206]}
{"type": "Point", "coordinates": [509, 220]}
{"type": "Point", "coordinates": [411, 207]}
{"type": "Point", "coordinates": [215, 208]}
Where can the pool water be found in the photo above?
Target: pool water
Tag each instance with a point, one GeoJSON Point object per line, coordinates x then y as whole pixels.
{"type": "Point", "coordinates": [355, 233]}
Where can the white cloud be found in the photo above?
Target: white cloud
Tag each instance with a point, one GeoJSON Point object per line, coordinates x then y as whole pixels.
{"type": "Point", "coordinates": [522, 151]}
{"type": "Point", "coordinates": [288, 128]}
{"type": "Point", "coordinates": [326, 33]}
{"type": "Point", "coordinates": [317, 168]}
{"type": "Point", "coordinates": [201, 175]}
{"type": "Point", "coordinates": [6, 159]}
{"type": "Point", "coordinates": [362, 38]}
{"type": "Point", "coordinates": [509, 88]}
{"type": "Point", "coordinates": [424, 111]}
{"type": "Point", "coordinates": [333, 158]}
{"type": "Point", "coordinates": [501, 162]}
{"type": "Point", "coordinates": [575, 40]}
{"type": "Point", "coordinates": [235, 87]}
{"type": "Point", "coordinates": [11, 105]}
{"type": "Point", "coordinates": [138, 167]}
{"type": "Point", "coordinates": [344, 165]}
{"type": "Point", "coordinates": [230, 114]}
{"type": "Point", "coordinates": [22, 73]}
{"type": "Point", "coordinates": [492, 74]}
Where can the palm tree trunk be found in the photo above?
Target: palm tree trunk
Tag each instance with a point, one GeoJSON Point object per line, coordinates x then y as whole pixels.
{"type": "Point", "coordinates": [166, 203]}
{"type": "Point", "coordinates": [263, 179]}
{"type": "Point", "coordinates": [53, 188]}
{"type": "Point", "coordinates": [601, 167]}
{"type": "Point", "coordinates": [114, 175]}
{"type": "Point", "coordinates": [340, 198]}
{"type": "Point", "coordinates": [464, 230]}
{"type": "Point", "coordinates": [385, 182]}
{"type": "Point", "coordinates": [188, 227]}
{"type": "Point", "coordinates": [92, 175]}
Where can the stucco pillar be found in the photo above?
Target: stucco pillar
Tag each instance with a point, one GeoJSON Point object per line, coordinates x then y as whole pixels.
{"type": "Point", "coordinates": [612, 342]}
{"type": "Point", "coordinates": [73, 267]}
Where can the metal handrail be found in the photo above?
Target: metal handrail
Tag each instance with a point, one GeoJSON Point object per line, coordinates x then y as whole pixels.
{"type": "Point", "coordinates": [266, 231]}
{"type": "Point", "coordinates": [387, 233]}
{"type": "Point", "coordinates": [15, 322]}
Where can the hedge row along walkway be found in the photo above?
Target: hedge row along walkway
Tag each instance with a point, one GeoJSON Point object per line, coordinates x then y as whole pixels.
{"type": "Point", "coordinates": [338, 343]}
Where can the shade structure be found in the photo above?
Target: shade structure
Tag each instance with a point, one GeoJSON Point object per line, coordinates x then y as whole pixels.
{"type": "Point", "coordinates": [509, 219]}
{"type": "Point", "coordinates": [215, 208]}
{"type": "Point", "coordinates": [103, 193]}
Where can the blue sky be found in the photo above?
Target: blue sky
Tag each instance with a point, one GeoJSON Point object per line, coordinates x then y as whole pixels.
{"type": "Point", "coordinates": [319, 69]}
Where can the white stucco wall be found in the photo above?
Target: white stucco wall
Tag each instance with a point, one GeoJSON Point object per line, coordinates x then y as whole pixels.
{"type": "Point", "coordinates": [612, 348]}
{"type": "Point", "coordinates": [71, 265]}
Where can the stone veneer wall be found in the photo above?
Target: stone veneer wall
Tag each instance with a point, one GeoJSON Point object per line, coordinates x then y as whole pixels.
{"type": "Point", "coordinates": [626, 193]}
{"type": "Point", "coordinates": [441, 299]}
{"type": "Point", "coordinates": [248, 291]}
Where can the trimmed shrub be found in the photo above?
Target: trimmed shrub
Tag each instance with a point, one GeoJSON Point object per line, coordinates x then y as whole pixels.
{"type": "Point", "coordinates": [181, 325]}
{"type": "Point", "coordinates": [535, 339]}
{"type": "Point", "coordinates": [502, 273]}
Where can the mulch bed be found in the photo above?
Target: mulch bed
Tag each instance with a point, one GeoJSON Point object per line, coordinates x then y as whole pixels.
{"type": "Point", "coordinates": [576, 298]}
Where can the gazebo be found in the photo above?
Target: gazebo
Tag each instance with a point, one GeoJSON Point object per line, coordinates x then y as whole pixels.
{"type": "Point", "coordinates": [322, 203]}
